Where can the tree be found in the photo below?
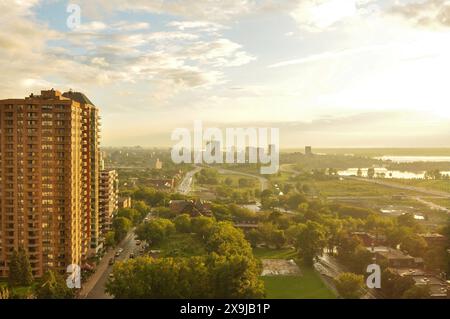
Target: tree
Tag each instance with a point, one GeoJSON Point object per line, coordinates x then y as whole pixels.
{"type": "Point", "coordinates": [417, 292]}
{"type": "Point", "coordinates": [334, 227]}
{"type": "Point", "coordinates": [371, 172]}
{"type": "Point", "coordinates": [53, 286]}
{"type": "Point", "coordinates": [164, 212]}
{"type": "Point", "coordinates": [415, 245]}
{"type": "Point", "coordinates": [353, 254]}
{"type": "Point", "coordinates": [150, 196]}
{"type": "Point", "coordinates": [359, 172]}
{"type": "Point", "coordinates": [295, 199]}
{"type": "Point", "coordinates": [349, 285]}
{"type": "Point", "coordinates": [26, 272]}
{"type": "Point", "coordinates": [225, 239]}
{"type": "Point", "coordinates": [433, 174]}
{"type": "Point", "coordinates": [142, 208]}
{"type": "Point", "coordinates": [311, 242]}
{"type": "Point", "coordinates": [183, 223]}
{"type": "Point", "coordinates": [121, 226]}
{"type": "Point", "coordinates": [407, 220]}
{"type": "Point", "coordinates": [14, 272]}
{"type": "Point", "coordinates": [202, 225]}
{"type": "Point", "coordinates": [4, 293]}
{"type": "Point", "coordinates": [202, 277]}
{"type": "Point", "coordinates": [228, 181]}
{"type": "Point", "coordinates": [246, 182]}
{"type": "Point", "coordinates": [254, 237]}
{"type": "Point", "coordinates": [394, 285]}
{"type": "Point", "coordinates": [20, 273]}
{"type": "Point", "coordinates": [162, 278]}
{"type": "Point", "coordinates": [278, 238]}
{"type": "Point", "coordinates": [436, 258]}
{"type": "Point", "coordinates": [235, 277]}
{"type": "Point", "coordinates": [110, 239]}
{"type": "Point", "coordinates": [272, 235]}
{"type": "Point", "coordinates": [131, 214]}
{"type": "Point", "coordinates": [155, 231]}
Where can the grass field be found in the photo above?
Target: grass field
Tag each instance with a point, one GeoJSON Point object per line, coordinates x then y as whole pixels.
{"type": "Point", "coordinates": [181, 245]}
{"type": "Point", "coordinates": [307, 286]}
{"type": "Point", "coordinates": [438, 185]}
{"type": "Point", "coordinates": [445, 202]}
{"type": "Point", "coordinates": [18, 292]}
{"type": "Point", "coordinates": [381, 151]}
{"type": "Point", "coordinates": [282, 177]}
{"type": "Point", "coordinates": [235, 180]}
{"type": "Point", "coordinates": [349, 187]}
{"type": "Point", "coordinates": [267, 253]}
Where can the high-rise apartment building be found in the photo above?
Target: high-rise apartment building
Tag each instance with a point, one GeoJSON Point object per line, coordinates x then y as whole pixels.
{"type": "Point", "coordinates": [109, 199]}
{"type": "Point", "coordinates": [49, 179]}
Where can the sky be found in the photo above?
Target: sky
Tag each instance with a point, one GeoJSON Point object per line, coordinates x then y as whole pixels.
{"type": "Point", "coordinates": [327, 73]}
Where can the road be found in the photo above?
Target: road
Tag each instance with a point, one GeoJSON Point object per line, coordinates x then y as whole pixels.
{"type": "Point", "coordinates": [186, 184]}
{"type": "Point", "coordinates": [330, 268]}
{"type": "Point", "coordinates": [287, 168]}
{"type": "Point", "coordinates": [264, 182]}
{"type": "Point", "coordinates": [401, 186]}
{"type": "Point", "coordinates": [434, 193]}
{"type": "Point", "coordinates": [94, 288]}
{"type": "Point", "coordinates": [430, 192]}
{"type": "Point", "coordinates": [432, 205]}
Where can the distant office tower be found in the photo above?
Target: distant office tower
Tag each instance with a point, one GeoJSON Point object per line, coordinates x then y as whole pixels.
{"type": "Point", "coordinates": [158, 164]}
{"type": "Point", "coordinates": [308, 150]}
{"type": "Point", "coordinates": [102, 161]}
{"type": "Point", "coordinates": [109, 199]}
{"type": "Point", "coordinates": [49, 179]}
{"type": "Point", "coordinates": [213, 148]}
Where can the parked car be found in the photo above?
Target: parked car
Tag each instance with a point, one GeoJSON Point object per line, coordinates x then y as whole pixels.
{"type": "Point", "coordinates": [132, 256]}
{"type": "Point", "coordinates": [111, 261]}
{"type": "Point", "coordinates": [117, 254]}
{"type": "Point", "coordinates": [120, 250]}
{"type": "Point", "coordinates": [138, 242]}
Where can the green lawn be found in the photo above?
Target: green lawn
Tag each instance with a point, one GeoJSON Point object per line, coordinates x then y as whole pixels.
{"type": "Point", "coordinates": [267, 253]}
{"type": "Point", "coordinates": [18, 292]}
{"type": "Point", "coordinates": [181, 245]}
{"type": "Point", "coordinates": [445, 202]}
{"type": "Point", "coordinates": [307, 286]}
{"type": "Point", "coordinates": [348, 187]}
{"type": "Point", "coordinates": [438, 185]}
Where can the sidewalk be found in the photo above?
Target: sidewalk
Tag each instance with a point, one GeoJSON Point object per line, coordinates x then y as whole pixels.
{"type": "Point", "coordinates": [101, 268]}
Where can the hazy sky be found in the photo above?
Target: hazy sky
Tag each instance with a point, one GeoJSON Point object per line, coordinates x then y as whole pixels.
{"type": "Point", "coordinates": [326, 72]}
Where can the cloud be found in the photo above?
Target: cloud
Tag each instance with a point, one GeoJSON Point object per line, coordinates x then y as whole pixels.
{"type": "Point", "coordinates": [219, 53]}
{"type": "Point", "coordinates": [329, 55]}
{"type": "Point", "coordinates": [319, 15]}
{"type": "Point", "coordinates": [207, 10]}
{"type": "Point", "coordinates": [192, 55]}
{"type": "Point", "coordinates": [429, 13]}
{"type": "Point", "coordinates": [204, 26]}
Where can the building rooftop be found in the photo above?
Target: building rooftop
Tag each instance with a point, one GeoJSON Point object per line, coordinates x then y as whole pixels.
{"type": "Point", "coordinates": [432, 236]}
{"type": "Point", "coordinates": [389, 253]}
{"type": "Point", "coordinates": [408, 271]}
{"type": "Point", "coordinates": [78, 97]}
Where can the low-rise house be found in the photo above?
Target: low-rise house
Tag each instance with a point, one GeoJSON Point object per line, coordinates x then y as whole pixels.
{"type": "Point", "coordinates": [438, 288]}
{"type": "Point", "coordinates": [163, 183]}
{"type": "Point", "coordinates": [369, 239]}
{"type": "Point", "coordinates": [192, 207]}
{"type": "Point", "coordinates": [393, 257]}
{"type": "Point", "coordinates": [247, 225]}
{"type": "Point", "coordinates": [433, 239]}
{"type": "Point", "coordinates": [124, 202]}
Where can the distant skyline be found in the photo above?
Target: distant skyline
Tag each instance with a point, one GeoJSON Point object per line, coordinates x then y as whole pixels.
{"type": "Point", "coordinates": [328, 73]}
